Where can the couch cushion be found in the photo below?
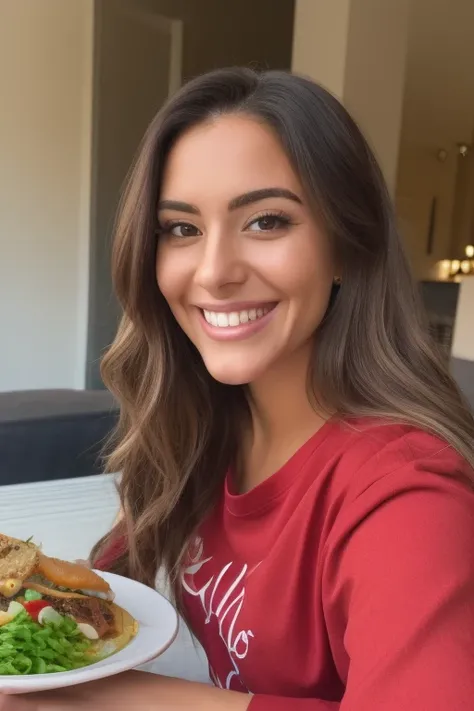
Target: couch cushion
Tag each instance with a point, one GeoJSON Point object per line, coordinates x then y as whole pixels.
{"type": "Point", "coordinates": [53, 434]}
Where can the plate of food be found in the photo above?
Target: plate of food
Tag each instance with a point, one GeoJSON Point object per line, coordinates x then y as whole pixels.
{"type": "Point", "coordinates": [63, 624]}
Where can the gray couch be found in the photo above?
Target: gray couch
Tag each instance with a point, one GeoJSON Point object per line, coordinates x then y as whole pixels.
{"type": "Point", "coordinates": [53, 434]}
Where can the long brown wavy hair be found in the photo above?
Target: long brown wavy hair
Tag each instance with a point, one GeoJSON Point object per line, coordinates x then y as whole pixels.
{"type": "Point", "coordinates": [179, 429]}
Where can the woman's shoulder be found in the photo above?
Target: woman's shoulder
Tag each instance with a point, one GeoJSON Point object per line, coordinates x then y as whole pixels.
{"type": "Point", "coordinates": [399, 440]}
{"type": "Point", "coordinates": [386, 455]}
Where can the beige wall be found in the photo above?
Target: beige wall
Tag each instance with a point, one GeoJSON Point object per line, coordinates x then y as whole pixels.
{"type": "Point", "coordinates": [375, 75]}
{"type": "Point", "coordinates": [45, 80]}
{"type": "Point", "coordinates": [357, 50]}
{"type": "Point", "coordinates": [320, 40]}
{"type": "Point", "coordinates": [463, 340]}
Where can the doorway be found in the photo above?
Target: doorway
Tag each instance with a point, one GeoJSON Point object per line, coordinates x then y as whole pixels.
{"type": "Point", "coordinates": [137, 65]}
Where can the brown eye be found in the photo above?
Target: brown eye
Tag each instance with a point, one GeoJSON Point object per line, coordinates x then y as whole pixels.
{"type": "Point", "coordinates": [183, 229]}
{"type": "Point", "coordinates": [268, 223]}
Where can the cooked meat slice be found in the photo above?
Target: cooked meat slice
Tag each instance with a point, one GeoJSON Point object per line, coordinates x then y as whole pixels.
{"type": "Point", "coordinates": [91, 610]}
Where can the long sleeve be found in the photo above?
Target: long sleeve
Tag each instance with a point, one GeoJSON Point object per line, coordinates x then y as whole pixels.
{"type": "Point", "coordinates": [399, 592]}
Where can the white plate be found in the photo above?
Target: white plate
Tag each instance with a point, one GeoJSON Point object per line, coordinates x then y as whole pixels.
{"type": "Point", "coordinates": [158, 626]}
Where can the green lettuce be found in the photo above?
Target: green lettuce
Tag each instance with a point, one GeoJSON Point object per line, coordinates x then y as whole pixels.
{"type": "Point", "coordinates": [27, 647]}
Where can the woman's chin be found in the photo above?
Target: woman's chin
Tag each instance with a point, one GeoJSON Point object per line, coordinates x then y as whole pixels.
{"type": "Point", "coordinates": [241, 365]}
{"type": "Point", "coordinates": [230, 378]}
{"type": "Point", "coordinates": [234, 375]}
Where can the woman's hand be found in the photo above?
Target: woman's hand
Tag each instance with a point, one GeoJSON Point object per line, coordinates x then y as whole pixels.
{"type": "Point", "coordinates": [140, 690]}
{"type": "Point", "coordinates": [16, 703]}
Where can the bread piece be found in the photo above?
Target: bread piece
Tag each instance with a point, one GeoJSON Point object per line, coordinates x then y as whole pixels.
{"type": "Point", "coordinates": [18, 559]}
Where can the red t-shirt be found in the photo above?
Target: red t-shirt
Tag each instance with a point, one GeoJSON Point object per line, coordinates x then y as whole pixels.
{"type": "Point", "coordinates": [345, 581]}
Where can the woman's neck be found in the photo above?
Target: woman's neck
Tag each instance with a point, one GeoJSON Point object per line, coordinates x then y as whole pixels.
{"type": "Point", "coordinates": [283, 419]}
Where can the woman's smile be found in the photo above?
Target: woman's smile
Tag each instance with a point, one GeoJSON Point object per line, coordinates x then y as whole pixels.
{"type": "Point", "coordinates": [235, 321]}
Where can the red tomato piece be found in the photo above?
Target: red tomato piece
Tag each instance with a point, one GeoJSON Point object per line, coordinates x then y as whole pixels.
{"type": "Point", "coordinates": [34, 607]}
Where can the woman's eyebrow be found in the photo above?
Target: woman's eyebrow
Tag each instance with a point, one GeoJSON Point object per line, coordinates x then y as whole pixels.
{"type": "Point", "coordinates": [235, 203]}
{"type": "Point", "coordinates": [262, 194]}
{"type": "Point", "coordinates": [178, 206]}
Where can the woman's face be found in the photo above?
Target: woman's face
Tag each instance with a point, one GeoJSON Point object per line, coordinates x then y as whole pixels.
{"type": "Point", "coordinates": [242, 262]}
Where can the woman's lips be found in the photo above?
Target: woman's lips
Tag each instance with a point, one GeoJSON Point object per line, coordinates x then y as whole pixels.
{"type": "Point", "coordinates": [236, 324]}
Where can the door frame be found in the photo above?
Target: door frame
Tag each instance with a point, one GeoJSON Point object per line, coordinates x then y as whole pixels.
{"type": "Point", "coordinates": [174, 28]}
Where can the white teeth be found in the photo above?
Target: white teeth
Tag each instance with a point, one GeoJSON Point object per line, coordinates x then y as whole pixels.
{"type": "Point", "coordinates": [234, 318]}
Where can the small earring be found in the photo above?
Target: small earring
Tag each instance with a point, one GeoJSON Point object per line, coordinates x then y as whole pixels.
{"type": "Point", "coordinates": [337, 280]}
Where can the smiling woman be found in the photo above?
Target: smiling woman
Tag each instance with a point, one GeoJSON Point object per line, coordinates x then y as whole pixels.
{"type": "Point", "coordinates": [294, 453]}
{"type": "Point", "coordinates": [246, 273]}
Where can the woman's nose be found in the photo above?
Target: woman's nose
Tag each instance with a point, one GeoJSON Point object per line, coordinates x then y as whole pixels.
{"type": "Point", "coordinates": [220, 262]}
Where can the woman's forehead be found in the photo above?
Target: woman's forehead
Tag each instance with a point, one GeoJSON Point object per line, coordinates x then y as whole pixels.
{"type": "Point", "coordinates": [226, 157]}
